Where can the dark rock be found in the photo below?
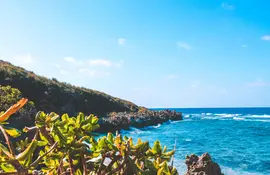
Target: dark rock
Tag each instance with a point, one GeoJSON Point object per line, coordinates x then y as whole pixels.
{"type": "Point", "coordinates": [201, 165]}
{"type": "Point", "coordinates": [123, 120]}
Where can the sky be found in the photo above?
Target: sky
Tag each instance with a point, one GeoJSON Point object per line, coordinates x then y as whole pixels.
{"type": "Point", "coordinates": [177, 53]}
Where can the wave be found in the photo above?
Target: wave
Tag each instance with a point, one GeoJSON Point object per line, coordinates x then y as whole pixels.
{"type": "Point", "coordinates": [238, 118]}
{"type": "Point", "coordinates": [181, 167]}
{"type": "Point", "coordinates": [230, 171]}
{"type": "Point", "coordinates": [175, 121]}
{"type": "Point", "coordinates": [225, 116]}
{"type": "Point", "coordinates": [259, 116]}
{"type": "Point", "coordinates": [157, 126]}
{"type": "Point", "coordinates": [133, 130]}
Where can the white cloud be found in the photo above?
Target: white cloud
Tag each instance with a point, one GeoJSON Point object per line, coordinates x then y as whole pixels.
{"type": "Point", "coordinates": [244, 46]}
{"type": "Point", "coordinates": [258, 83]}
{"type": "Point", "coordinates": [94, 73]}
{"type": "Point", "coordinates": [105, 63]}
{"type": "Point", "coordinates": [70, 59]}
{"type": "Point", "coordinates": [100, 62]}
{"type": "Point", "coordinates": [93, 62]}
{"type": "Point", "coordinates": [121, 41]}
{"type": "Point", "coordinates": [266, 37]}
{"type": "Point", "coordinates": [183, 45]}
{"type": "Point", "coordinates": [26, 61]}
{"type": "Point", "coordinates": [227, 6]}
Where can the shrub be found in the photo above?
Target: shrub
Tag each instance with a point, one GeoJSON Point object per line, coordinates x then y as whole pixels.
{"type": "Point", "coordinates": [67, 145]}
{"type": "Point", "coordinates": [10, 96]}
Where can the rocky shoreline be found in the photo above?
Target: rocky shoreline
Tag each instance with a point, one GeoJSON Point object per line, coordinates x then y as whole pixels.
{"type": "Point", "coordinates": [202, 165]}
{"type": "Point", "coordinates": [124, 120]}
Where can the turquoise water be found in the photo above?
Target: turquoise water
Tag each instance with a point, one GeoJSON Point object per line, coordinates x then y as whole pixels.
{"type": "Point", "coordinates": [238, 139]}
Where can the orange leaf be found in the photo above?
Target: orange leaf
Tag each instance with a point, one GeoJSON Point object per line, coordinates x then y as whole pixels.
{"type": "Point", "coordinates": [13, 109]}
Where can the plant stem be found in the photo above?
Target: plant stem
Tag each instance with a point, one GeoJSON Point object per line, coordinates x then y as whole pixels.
{"type": "Point", "coordinates": [7, 140]}
{"type": "Point", "coordinates": [83, 164]}
{"type": "Point", "coordinates": [70, 165]}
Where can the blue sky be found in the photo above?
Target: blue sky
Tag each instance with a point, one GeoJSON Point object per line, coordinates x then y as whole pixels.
{"type": "Point", "coordinates": [178, 53]}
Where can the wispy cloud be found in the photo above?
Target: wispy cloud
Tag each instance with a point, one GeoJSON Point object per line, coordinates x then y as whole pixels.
{"type": "Point", "coordinates": [171, 77]}
{"type": "Point", "coordinates": [266, 37]}
{"type": "Point", "coordinates": [183, 45]}
{"type": "Point", "coordinates": [258, 83]}
{"type": "Point", "coordinates": [121, 41]}
{"type": "Point", "coordinates": [100, 62]}
{"type": "Point", "coordinates": [73, 61]}
{"type": "Point", "coordinates": [94, 62]}
{"type": "Point", "coordinates": [92, 67]}
{"type": "Point", "coordinates": [94, 73]}
{"type": "Point", "coordinates": [69, 59]}
{"type": "Point", "coordinates": [244, 45]}
{"type": "Point", "coordinates": [105, 63]}
{"type": "Point", "coordinates": [27, 61]}
{"type": "Point", "coordinates": [227, 6]}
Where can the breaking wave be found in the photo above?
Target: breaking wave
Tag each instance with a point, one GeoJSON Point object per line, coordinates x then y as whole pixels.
{"type": "Point", "coordinates": [237, 117]}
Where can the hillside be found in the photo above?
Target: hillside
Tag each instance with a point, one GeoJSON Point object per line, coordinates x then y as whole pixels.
{"type": "Point", "coordinates": [52, 95]}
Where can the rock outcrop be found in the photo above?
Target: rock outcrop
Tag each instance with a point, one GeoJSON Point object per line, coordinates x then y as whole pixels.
{"type": "Point", "coordinates": [145, 117]}
{"type": "Point", "coordinates": [201, 165]}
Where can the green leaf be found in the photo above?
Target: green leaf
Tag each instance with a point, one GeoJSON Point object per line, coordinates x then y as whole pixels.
{"type": "Point", "coordinates": [42, 143]}
{"type": "Point", "coordinates": [5, 151]}
{"type": "Point", "coordinates": [164, 149]}
{"type": "Point", "coordinates": [78, 172]}
{"type": "Point", "coordinates": [13, 132]}
{"type": "Point", "coordinates": [157, 148]}
{"type": "Point", "coordinates": [170, 153]}
{"type": "Point", "coordinates": [7, 168]}
{"type": "Point", "coordinates": [94, 120]}
{"type": "Point", "coordinates": [160, 171]}
{"type": "Point", "coordinates": [110, 137]}
{"type": "Point", "coordinates": [65, 117]}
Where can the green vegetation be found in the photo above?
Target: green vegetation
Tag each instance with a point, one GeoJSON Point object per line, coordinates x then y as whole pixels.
{"type": "Point", "coordinates": [52, 95]}
{"type": "Point", "coordinates": [10, 96]}
{"type": "Point", "coordinates": [66, 145]}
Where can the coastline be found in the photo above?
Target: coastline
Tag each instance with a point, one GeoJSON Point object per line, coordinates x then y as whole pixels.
{"type": "Point", "coordinates": [124, 120]}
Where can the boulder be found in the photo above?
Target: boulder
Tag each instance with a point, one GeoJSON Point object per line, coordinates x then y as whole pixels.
{"type": "Point", "coordinates": [201, 165]}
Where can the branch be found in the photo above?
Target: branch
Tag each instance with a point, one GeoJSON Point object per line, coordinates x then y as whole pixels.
{"type": "Point", "coordinates": [70, 165]}
{"type": "Point", "coordinates": [45, 133]}
{"type": "Point", "coordinates": [35, 163]}
{"type": "Point", "coordinates": [7, 140]}
{"type": "Point", "coordinates": [83, 164]}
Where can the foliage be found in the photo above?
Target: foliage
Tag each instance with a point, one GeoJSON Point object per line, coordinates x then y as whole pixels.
{"type": "Point", "coordinates": [67, 145]}
{"type": "Point", "coordinates": [52, 95]}
{"type": "Point", "coordinates": [10, 96]}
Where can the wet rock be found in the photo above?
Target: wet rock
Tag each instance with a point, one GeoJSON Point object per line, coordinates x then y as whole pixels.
{"type": "Point", "coordinates": [201, 165]}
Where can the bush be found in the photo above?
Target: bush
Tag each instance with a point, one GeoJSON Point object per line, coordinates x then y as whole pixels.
{"type": "Point", "coordinates": [10, 96]}
{"type": "Point", "coordinates": [67, 145]}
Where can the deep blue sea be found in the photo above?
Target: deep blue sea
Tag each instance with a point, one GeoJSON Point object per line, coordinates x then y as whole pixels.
{"type": "Point", "coordinates": [238, 139]}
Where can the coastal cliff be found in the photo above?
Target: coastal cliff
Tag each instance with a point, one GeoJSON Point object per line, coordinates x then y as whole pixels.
{"type": "Point", "coordinates": [51, 95]}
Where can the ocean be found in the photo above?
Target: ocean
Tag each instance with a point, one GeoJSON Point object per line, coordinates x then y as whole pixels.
{"type": "Point", "coordinates": [238, 139]}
